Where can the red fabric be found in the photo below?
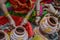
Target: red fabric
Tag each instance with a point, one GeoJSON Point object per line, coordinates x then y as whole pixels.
{"type": "Point", "coordinates": [18, 20]}
{"type": "Point", "coordinates": [47, 1]}
{"type": "Point", "coordinates": [23, 1]}
{"type": "Point", "coordinates": [22, 8]}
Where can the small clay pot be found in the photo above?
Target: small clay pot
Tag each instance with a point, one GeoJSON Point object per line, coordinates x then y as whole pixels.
{"type": "Point", "coordinates": [19, 33]}
{"type": "Point", "coordinates": [49, 24]}
{"type": "Point", "coordinates": [20, 30]}
{"type": "Point", "coordinates": [2, 35]}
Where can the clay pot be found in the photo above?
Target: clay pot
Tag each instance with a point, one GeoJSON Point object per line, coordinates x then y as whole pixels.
{"type": "Point", "coordinates": [19, 30]}
{"type": "Point", "coordinates": [19, 33]}
{"type": "Point", "coordinates": [3, 35]}
{"type": "Point", "coordinates": [52, 21]}
{"type": "Point", "coordinates": [49, 25]}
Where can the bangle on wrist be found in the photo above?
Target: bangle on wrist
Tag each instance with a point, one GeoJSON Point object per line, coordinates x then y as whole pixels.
{"type": "Point", "coordinates": [56, 12]}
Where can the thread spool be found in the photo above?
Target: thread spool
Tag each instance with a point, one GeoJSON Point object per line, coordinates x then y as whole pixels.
{"type": "Point", "coordinates": [49, 24]}
{"type": "Point", "coordinates": [19, 34]}
{"type": "Point", "coordinates": [3, 36]}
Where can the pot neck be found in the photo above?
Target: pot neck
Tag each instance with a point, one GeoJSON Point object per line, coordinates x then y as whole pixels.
{"type": "Point", "coordinates": [20, 31]}
{"type": "Point", "coordinates": [52, 21]}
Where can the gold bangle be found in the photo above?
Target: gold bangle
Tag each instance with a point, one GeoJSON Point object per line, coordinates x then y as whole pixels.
{"type": "Point", "coordinates": [27, 17]}
{"type": "Point", "coordinates": [6, 14]}
{"type": "Point", "coordinates": [56, 12]}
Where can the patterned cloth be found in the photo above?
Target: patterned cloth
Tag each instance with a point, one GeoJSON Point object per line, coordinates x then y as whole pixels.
{"type": "Point", "coordinates": [53, 36]}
